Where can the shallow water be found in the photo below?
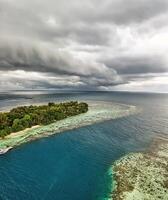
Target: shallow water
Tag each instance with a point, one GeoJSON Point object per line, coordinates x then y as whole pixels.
{"type": "Point", "coordinates": [74, 165]}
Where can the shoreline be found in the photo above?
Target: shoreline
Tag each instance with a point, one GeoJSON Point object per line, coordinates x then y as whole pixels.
{"type": "Point", "coordinates": [142, 175]}
{"type": "Point", "coordinates": [98, 112]}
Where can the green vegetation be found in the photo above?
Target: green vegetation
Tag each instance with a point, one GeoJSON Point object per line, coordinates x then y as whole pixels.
{"type": "Point", "coordinates": [24, 117]}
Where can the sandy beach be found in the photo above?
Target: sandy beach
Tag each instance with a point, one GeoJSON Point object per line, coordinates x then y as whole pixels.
{"type": "Point", "coordinates": [16, 134]}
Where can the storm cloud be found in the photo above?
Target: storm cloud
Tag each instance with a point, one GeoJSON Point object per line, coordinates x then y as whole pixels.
{"type": "Point", "coordinates": [86, 45]}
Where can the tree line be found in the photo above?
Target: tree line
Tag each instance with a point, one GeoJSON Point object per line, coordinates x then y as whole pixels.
{"type": "Point", "coordinates": [23, 117]}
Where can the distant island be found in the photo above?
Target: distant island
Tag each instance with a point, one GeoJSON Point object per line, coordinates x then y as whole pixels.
{"type": "Point", "coordinates": [24, 117]}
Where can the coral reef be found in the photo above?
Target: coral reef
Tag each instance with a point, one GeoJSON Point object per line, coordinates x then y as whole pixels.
{"type": "Point", "coordinates": [143, 176]}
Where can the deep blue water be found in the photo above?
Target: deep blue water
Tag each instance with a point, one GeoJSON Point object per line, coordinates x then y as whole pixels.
{"type": "Point", "coordinates": [73, 165]}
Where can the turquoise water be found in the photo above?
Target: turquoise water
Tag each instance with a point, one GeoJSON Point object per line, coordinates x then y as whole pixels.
{"type": "Point", "coordinates": [74, 165]}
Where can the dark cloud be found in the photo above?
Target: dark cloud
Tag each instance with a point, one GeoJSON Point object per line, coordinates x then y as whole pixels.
{"type": "Point", "coordinates": [42, 58]}
{"type": "Point", "coordinates": [125, 12]}
{"type": "Point", "coordinates": [82, 44]}
{"type": "Point", "coordinates": [137, 65]}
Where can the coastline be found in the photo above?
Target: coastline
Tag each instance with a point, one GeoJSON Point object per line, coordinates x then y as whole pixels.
{"type": "Point", "coordinates": [98, 112]}
{"type": "Point", "coordinates": [142, 176]}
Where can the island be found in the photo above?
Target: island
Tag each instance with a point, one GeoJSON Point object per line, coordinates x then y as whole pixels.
{"type": "Point", "coordinates": [27, 123]}
{"type": "Point", "coordinates": [24, 117]}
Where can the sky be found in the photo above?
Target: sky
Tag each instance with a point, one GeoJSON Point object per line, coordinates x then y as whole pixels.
{"type": "Point", "coordinates": [107, 45]}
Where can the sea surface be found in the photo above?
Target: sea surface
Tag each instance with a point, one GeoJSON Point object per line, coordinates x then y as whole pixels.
{"type": "Point", "coordinates": [74, 165]}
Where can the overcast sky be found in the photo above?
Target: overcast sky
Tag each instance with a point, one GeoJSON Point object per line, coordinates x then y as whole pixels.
{"type": "Point", "coordinates": [84, 45]}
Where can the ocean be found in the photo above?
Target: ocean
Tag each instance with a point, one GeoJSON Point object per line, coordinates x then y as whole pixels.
{"type": "Point", "coordinates": [74, 165]}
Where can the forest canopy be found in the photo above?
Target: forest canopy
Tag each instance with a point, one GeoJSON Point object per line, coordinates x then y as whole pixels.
{"type": "Point", "coordinates": [23, 117]}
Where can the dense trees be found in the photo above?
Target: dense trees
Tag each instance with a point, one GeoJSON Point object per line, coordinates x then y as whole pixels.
{"type": "Point", "coordinates": [27, 116]}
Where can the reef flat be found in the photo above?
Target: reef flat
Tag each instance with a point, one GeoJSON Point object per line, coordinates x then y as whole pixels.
{"type": "Point", "coordinates": [143, 176]}
{"type": "Point", "coordinates": [98, 111]}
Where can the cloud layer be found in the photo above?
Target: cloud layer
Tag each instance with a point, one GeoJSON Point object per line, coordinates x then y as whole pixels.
{"type": "Point", "coordinates": [87, 45]}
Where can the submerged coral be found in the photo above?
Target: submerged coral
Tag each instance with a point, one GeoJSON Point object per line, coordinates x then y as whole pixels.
{"type": "Point", "coordinates": [143, 176]}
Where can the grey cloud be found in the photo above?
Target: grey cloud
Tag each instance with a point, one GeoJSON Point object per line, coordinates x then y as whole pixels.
{"type": "Point", "coordinates": [41, 57]}
{"type": "Point", "coordinates": [123, 12]}
{"type": "Point", "coordinates": [78, 21]}
{"type": "Point", "coordinates": [30, 57]}
{"type": "Point", "coordinates": [16, 80]}
{"type": "Point", "coordinates": [138, 65]}
{"type": "Point", "coordinates": [71, 39]}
